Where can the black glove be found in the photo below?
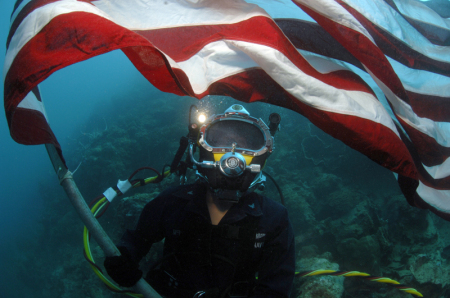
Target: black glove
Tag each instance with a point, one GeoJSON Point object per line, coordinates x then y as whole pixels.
{"type": "Point", "coordinates": [122, 269]}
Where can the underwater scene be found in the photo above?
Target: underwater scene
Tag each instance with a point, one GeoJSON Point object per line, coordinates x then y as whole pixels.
{"type": "Point", "coordinates": [356, 233]}
{"type": "Point", "coordinates": [348, 213]}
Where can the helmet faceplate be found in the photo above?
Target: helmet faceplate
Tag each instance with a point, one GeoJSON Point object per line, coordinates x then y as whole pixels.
{"type": "Point", "coordinates": [233, 149]}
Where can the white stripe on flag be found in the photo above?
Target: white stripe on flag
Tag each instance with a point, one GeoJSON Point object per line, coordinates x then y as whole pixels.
{"type": "Point", "coordinates": [439, 199]}
{"type": "Point", "coordinates": [317, 61]}
{"type": "Point", "coordinates": [312, 91]}
{"type": "Point", "coordinates": [36, 20]}
{"type": "Point", "coordinates": [419, 11]}
{"type": "Point", "coordinates": [336, 13]}
{"type": "Point", "coordinates": [323, 64]}
{"type": "Point", "coordinates": [384, 16]}
{"type": "Point", "coordinates": [439, 171]}
{"type": "Point", "coordinates": [134, 14]}
{"type": "Point", "coordinates": [404, 111]}
{"type": "Point", "coordinates": [309, 90]}
{"type": "Point", "coordinates": [32, 103]}
{"type": "Point", "coordinates": [215, 61]}
{"type": "Point", "coordinates": [421, 81]}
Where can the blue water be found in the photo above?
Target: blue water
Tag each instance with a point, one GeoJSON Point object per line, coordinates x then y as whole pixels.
{"type": "Point", "coordinates": [70, 96]}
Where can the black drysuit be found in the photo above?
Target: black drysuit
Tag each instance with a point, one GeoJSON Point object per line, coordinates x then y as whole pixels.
{"type": "Point", "coordinates": [254, 238]}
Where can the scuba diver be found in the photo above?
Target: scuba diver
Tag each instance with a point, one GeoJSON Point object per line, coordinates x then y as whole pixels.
{"type": "Point", "coordinates": [221, 239]}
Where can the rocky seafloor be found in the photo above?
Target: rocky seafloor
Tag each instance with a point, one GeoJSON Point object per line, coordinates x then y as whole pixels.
{"type": "Point", "coordinates": [347, 212]}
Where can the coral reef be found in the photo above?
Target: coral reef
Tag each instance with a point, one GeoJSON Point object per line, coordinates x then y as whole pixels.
{"type": "Point", "coordinates": [347, 212]}
{"type": "Point", "coordinates": [319, 286]}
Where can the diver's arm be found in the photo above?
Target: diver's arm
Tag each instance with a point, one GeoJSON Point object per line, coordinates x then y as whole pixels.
{"type": "Point", "coordinates": [124, 269]}
{"type": "Point", "coordinates": [135, 244]}
{"type": "Point", "coordinates": [148, 230]}
{"type": "Point", "coordinates": [276, 273]}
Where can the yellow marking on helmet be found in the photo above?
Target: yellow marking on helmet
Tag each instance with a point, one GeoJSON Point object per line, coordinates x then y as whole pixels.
{"type": "Point", "coordinates": [218, 156]}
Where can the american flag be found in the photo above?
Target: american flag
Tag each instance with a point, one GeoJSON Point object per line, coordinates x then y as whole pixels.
{"type": "Point", "coordinates": [320, 58]}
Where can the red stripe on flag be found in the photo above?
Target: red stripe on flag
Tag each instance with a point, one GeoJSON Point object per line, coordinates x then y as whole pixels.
{"type": "Point", "coordinates": [430, 152]}
{"type": "Point", "coordinates": [303, 37]}
{"type": "Point", "coordinates": [182, 43]}
{"type": "Point", "coordinates": [26, 10]}
{"type": "Point", "coordinates": [397, 49]}
{"type": "Point", "coordinates": [408, 187]}
{"type": "Point", "coordinates": [303, 34]}
{"type": "Point", "coordinates": [404, 54]}
{"type": "Point", "coordinates": [372, 139]}
{"type": "Point", "coordinates": [436, 108]}
{"type": "Point", "coordinates": [67, 39]}
{"type": "Point", "coordinates": [363, 49]}
{"type": "Point", "coordinates": [421, 203]}
{"type": "Point", "coordinates": [425, 145]}
{"type": "Point", "coordinates": [436, 152]}
{"type": "Point", "coordinates": [29, 127]}
{"type": "Point", "coordinates": [435, 34]}
{"type": "Point", "coordinates": [153, 65]}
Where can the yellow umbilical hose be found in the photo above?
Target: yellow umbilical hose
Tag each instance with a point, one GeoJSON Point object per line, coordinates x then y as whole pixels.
{"type": "Point", "coordinates": [87, 249]}
{"type": "Point", "coordinates": [102, 202]}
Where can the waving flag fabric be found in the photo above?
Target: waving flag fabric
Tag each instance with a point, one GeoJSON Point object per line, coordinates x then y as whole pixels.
{"type": "Point", "coordinates": [306, 55]}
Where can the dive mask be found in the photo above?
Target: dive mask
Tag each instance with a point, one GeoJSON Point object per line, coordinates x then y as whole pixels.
{"type": "Point", "coordinates": [233, 149]}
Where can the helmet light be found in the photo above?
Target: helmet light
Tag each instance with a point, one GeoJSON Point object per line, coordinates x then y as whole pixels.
{"type": "Point", "coordinates": [201, 118]}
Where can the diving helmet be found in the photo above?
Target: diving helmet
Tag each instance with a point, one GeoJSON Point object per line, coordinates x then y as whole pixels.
{"type": "Point", "coordinates": [233, 148]}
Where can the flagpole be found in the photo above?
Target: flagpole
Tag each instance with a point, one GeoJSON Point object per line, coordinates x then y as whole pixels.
{"type": "Point", "coordinates": [95, 229]}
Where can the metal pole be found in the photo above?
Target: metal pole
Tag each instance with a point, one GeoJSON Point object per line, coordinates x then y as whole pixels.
{"type": "Point", "coordinates": [95, 229]}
